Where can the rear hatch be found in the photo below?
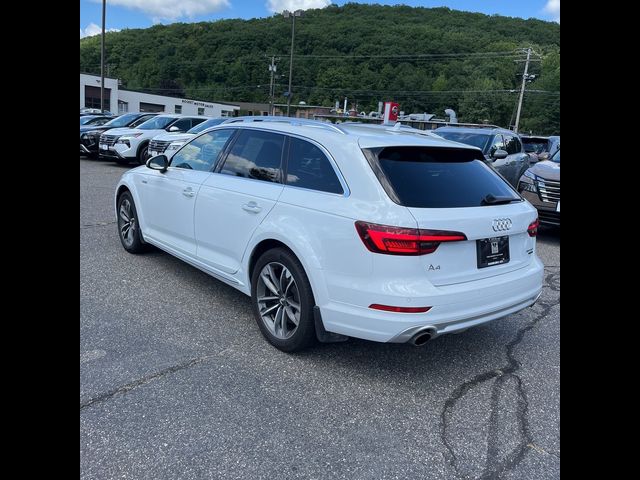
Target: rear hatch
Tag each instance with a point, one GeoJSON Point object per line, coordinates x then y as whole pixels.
{"type": "Point", "coordinates": [451, 191]}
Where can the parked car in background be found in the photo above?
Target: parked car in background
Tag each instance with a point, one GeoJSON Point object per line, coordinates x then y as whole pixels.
{"type": "Point", "coordinates": [554, 144]}
{"type": "Point", "coordinates": [540, 185]}
{"type": "Point", "coordinates": [126, 145]}
{"type": "Point", "coordinates": [335, 231]}
{"type": "Point", "coordinates": [95, 119]}
{"type": "Point", "coordinates": [169, 142]}
{"type": "Point", "coordinates": [90, 134]}
{"type": "Point", "coordinates": [94, 111]}
{"type": "Point", "coordinates": [501, 148]}
{"type": "Point", "coordinates": [537, 146]}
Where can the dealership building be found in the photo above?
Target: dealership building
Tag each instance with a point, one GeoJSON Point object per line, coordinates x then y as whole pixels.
{"type": "Point", "coordinates": [118, 100]}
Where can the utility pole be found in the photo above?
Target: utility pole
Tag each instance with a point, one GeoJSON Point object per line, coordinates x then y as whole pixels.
{"type": "Point", "coordinates": [293, 16]}
{"type": "Point", "coordinates": [524, 82]}
{"type": "Point", "coordinates": [272, 69]}
{"type": "Point", "coordinates": [104, 12]}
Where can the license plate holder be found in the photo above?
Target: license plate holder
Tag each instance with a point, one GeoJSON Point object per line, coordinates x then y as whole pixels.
{"type": "Point", "coordinates": [492, 251]}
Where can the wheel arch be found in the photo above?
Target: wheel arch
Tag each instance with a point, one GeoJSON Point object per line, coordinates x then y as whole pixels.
{"type": "Point", "coordinates": [305, 256]}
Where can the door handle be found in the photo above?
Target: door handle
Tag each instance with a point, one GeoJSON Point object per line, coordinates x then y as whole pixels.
{"type": "Point", "coordinates": [251, 207]}
{"type": "Point", "coordinates": [188, 192]}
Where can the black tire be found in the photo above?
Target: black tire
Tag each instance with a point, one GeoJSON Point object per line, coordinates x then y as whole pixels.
{"type": "Point", "coordinates": [304, 334]}
{"type": "Point", "coordinates": [143, 154]}
{"type": "Point", "coordinates": [128, 217]}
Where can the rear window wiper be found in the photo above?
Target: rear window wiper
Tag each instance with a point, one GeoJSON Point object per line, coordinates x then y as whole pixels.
{"type": "Point", "coordinates": [491, 199]}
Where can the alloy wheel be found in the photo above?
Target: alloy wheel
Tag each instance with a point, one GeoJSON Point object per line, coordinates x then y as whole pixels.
{"type": "Point", "coordinates": [278, 300]}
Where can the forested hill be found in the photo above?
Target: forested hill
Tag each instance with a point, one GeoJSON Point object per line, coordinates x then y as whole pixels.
{"type": "Point", "coordinates": [428, 59]}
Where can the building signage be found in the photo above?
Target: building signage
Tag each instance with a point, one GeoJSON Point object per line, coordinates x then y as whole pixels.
{"type": "Point", "coordinates": [199, 104]}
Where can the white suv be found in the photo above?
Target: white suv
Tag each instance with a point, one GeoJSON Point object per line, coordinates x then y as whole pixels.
{"type": "Point", "coordinates": [387, 234]}
{"type": "Point", "coordinates": [125, 145]}
{"type": "Point", "coordinates": [169, 142]}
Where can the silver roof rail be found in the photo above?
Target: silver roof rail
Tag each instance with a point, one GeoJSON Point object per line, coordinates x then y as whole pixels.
{"type": "Point", "coordinates": [396, 128]}
{"type": "Point", "coordinates": [288, 120]}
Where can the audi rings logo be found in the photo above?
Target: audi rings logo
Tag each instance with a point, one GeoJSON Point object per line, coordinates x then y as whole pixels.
{"type": "Point", "coordinates": [501, 224]}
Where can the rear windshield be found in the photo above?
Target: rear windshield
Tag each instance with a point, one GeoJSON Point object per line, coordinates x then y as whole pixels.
{"type": "Point", "coordinates": [429, 177]}
{"type": "Point", "coordinates": [535, 146]}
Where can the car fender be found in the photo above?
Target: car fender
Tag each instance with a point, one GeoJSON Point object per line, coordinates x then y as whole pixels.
{"type": "Point", "coordinates": [127, 181]}
{"type": "Point", "coordinates": [298, 244]}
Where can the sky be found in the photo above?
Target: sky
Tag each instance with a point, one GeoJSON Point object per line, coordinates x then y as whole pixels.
{"type": "Point", "coordinates": [145, 13]}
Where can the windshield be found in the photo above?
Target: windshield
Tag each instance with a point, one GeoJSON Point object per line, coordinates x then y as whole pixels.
{"type": "Point", "coordinates": [88, 120]}
{"type": "Point", "coordinates": [479, 140]}
{"type": "Point", "coordinates": [204, 125]}
{"type": "Point", "coordinates": [156, 123]}
{"type": "Point", "coordinates": [556, 157]}
{"type": "Point", "coordinates": [122, 121]}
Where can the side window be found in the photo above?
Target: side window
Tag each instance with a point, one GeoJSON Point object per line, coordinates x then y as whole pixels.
{"type": "Point", "coordinates": [196, 121]}
{"type": "Point", "coordinates": [498, 144]}
{"type": "Point", "coordinates": [308, 167]}
{"type": "Point", "coordinates": [510, 144]}
{"type": "Point", "coordinates": [255, 154]}
{"type": "Point", "coordinates": [202, 153]}
{"type": "Point", "coordinates": [183, 124]}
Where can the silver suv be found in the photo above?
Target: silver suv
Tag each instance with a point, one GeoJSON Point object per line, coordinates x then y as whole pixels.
{"type": "Point", "coordinates": [501, 148]}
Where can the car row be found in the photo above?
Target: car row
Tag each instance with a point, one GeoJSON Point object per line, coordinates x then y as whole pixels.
{"type": "Point", "coordinates": [386, 234]}
{"type": "Point", "coordinates": [126, 145]}
{"type": "Point", "coordinates": [90, 134]}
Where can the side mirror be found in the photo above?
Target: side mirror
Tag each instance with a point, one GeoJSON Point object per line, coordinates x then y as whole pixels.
{"type": "Point", "coordinates": [159, 162]}
{"type": "Point", "coordinates": [543, 156]}
{"type": "Point", "coordinates": [174, 129]}
{"type": "Point", "coordinates": [499, 154]}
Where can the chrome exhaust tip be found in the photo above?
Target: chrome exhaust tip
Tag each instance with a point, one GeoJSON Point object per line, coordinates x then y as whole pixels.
{"type": "Point", "coordinates": [420, 338]}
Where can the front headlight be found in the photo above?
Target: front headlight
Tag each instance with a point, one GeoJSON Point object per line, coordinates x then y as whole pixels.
{"type": "Point", "coordinates": [527, 182]}
{"type": "Point", "coordinates": [174, 146]}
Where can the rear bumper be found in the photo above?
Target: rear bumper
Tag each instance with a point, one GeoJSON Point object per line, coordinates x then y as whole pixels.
{"type": "Point", "coordinates": [454, 307]}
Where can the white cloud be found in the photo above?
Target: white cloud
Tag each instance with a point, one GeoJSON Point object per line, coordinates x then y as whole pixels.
{"type": "Point", "coordinates": [278, 6]}
{"type": "Point", "coordinates": [93, 29]}
{"type": "Point", "coordinates": [553, 8]}
{"type": "Point", "coordinates": [172, 10]}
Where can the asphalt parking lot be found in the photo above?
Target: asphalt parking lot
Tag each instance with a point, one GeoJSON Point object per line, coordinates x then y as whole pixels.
{"type": "Point", "coordinates": [176, 380]}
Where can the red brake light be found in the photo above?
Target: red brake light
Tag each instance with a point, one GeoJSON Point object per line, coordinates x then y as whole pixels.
{"type": "Point", "coordinates": [532, 230]}
{"type": "Point", "coordinates": [403, 241]}
{"type": "Point", "coordinates": [389, 308]}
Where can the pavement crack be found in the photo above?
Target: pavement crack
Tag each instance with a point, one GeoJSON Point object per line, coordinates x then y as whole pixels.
{"type": "Point", "coordinates": [142, 381]}
{"type": "Point", "coordinates": [494, 467]}
{"type": "Point", "coordinates": [94, 225]}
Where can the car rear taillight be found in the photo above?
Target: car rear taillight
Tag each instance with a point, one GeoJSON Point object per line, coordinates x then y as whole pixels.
{"type": "Point", "coordinates": [389, 308]}
{"type": "Point", "coordinates": [404, 241]}
{"type": "Point", "coordinates": [532, 230]}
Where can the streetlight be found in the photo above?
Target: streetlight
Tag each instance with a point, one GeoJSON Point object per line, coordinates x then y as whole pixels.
{"type": "Point", "coordinates": [293, 15]}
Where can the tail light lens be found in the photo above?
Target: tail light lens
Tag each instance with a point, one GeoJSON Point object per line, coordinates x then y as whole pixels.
{"type": "Point", "coordinates": [404, 241]}
{"type": "Point", "coordinates": [532, 230]}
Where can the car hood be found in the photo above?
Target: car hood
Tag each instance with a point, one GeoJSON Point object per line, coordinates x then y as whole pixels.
{"type": "Point", "coordinates": [122, 131]}
{"type": "Point", "coordinates": [88, 128]}
{"type": "Point", "coordinates": [145, 133]}
{"type": "Point", "coordinates": [172, 137]}
{"type": "Point", "coordinates": [547, 169]}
